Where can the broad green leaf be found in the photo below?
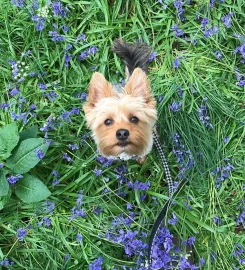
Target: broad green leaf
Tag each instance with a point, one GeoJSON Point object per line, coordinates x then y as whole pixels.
{"type": "Point", "coordinates": [30, 189]}
{"type": "Point", "coordinates": [4, 200]}
{"type": "Point", "coordinates": [4, 185]}
{"type": "Point", "coordinates": [24, 156]}
{"type": "Point", "coordinates": [30, 132]}
{"type": "Point", "coordinates": [9, 138]}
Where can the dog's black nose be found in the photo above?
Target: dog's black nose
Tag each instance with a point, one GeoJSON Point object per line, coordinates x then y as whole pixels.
{"type": "Point", "coordinates": [122, 134]}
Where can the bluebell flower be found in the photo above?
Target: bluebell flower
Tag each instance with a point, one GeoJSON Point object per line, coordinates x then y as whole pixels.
{"type": "Point", "coordinates": [1, 165]}
{"type": "Point", "coordinates": [139, 185]}
{"type": "Point", "coordinates": [73, 146]}
{"type": "Point", "coordinates": [39, 153]}
{"type": "Point", "coordinates": [42, 86]}
{"type": "Point", "coordinates": [208, 32]}
{"type": "Point", "coordinates": [67, 256]}
{"type": "Point", "coordinates": [21, 233]}
{"type": "Point", "coordinates": [203, 114]}
{"type": "Point", "coordinates": [175, 106]}
{"type": "Point", "coordinates": [179, 7]}
{"type": "Point", "coordinates": [202, 261]}
{"type": "Point", "coordinates": [173, 220]}
{"type": "Point", "coordinates": [56, 36]}
{"type": "Point", "coordinates": [217, 220]}
{"type": "Point", "coordinates": [178, 32]}
{"type": "Point", "coordinates": [226, 140]}
{"type": "Point", "coordinates": [6, 263]}
{"type": "Point", "coordinates": [97, 264]}
{"type": "Point", "coordinates": [218, 55]}
{"type": "Point", "coordinates": [153, 56]}
{"type": "Point", "coordinates": [14, 91]}
{"type": "Point", "coordinates": [14, 178]}
{"type": "Point", "coordinates": [191, 240]}
{"type": "Point", "coordinates": [65, 156]}
{"type": "Point", "coordinates": [204, 22]}
{"type": "Point", "coordinates": [49, 206]}
{"type": "Point", "coordinates": [81, 37]}
{"type": "Point", "coordinates": [97, 172]}
{"type": "Point", "coordinates": [79, 238]}
{"type": "Point", "coordinates": [176, 62]}
{"type": "Point", "coordinates": [18, 3]}
{"type": "Point", "coordinates": [58, 9]}
{"type": "Point", "coordinates": [227, 19]}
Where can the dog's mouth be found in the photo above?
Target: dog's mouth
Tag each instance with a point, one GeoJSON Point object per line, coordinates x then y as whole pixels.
{"type": "Point", "coordinates": [123, 144]}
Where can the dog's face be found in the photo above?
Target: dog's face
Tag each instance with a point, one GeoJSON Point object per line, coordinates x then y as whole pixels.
{"type": "Point", "coordinates": [121, 123]}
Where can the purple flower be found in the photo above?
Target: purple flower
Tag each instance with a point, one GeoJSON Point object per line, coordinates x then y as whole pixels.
{"type": "Point", "coordinates": [173, 220]}
{"type": "Point", "coordinates": [75, 110]}
{"type": "Point", "coordinates": [18, 3]}
{"type": "Point", "coordinates": [69, 46]}
{"type": "Point", "coordinates": [208, 32]}
{"type": "Point", "coordinates": [153, 56]}
{"type": "Point", "coordinates": [203, 114]}
{"type": "Point", "coordinates": [176, 62]}
{"type": "Point", "coordinates": [217, 220]}
{"type": "Point", "coordinates": [42, 86]}
{"type": "Point", "coordinates": [56, 36]}
{"type": "Point", "coordinates": [202, 261]}
{"type": "Point", "coordinates": [178, 32]}
{"type": "Point", "coordinates": [191, 240]}
{"type": "Point", "coordinates": [227, 19]}
{"type": "Point", "coordinates": [67, 256]}
{"type": "Point", "coordinates": [204, 22]}
{"type": "Point", "coordinates": [83, 96]}
{"type": "Point", "coordinates": [139, 185]}
{"type": "Point", "coordinates": [96, 265]}
{"type": "Point", "coordinates": [79, 238]}
{"type": "Point", "coordinates": [175, 106]}
{"type": "Point", "coordinates": [14, 91]}
{"type": "Point", "coordinates": [81, 37]}
{"type": "Point", "coordinates": [1, 165]}
{"type": "Point", "coordinates": [21, 233]}
{"type": "Point", "coordinates": [58, 9]}
{"type": "Point", "coordinates": [6, 263]}
{"type": "Point", "coordinates": [73, 146]}
{"type": "Point", "coordinates": [39, 153]}
{"type": "Point", "coordinates": [49, 206]}
{"type": "Point", "coordinates": [65, 156]}
{"type": "Point", "coordinates": [97, 172]}
{"type": "Point", "coordinates": [218, 55]}
{"type": "Point", "coordinates": [32, 107]}
{"type": "Point", "coordinates": [14, 178]}
{"type": "Point", "coordinates": [226, 140]}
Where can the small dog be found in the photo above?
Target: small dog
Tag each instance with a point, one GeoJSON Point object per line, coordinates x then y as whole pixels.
{"type": "Point", "coordinates": [122, 117]}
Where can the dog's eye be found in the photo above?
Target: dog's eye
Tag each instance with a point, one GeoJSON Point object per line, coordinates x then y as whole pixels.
{"type": "Point", "coordinates": [134, 120]}
{"type": "Point", "coordinates": [108, 122]}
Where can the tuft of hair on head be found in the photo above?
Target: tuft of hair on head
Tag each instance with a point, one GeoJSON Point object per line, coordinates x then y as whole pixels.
{"type": "Point", "coordinates": [134, 55]}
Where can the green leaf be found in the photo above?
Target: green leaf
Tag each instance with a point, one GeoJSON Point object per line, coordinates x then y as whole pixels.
{"type": "Point", "coordinates": [30, 189]}
{"type": "Point", "coordinates": [4, 200]}
{"type": "Point", "coordinates": [30, 132]}
{"type": "Point", "coordinates": [24, 157]}
{"type": "Point", "coordinates": [9, 138]}
{"type": "Point", "coordinates": [4, 185]}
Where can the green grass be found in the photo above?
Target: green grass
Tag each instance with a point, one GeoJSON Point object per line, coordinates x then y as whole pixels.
{"type": "Point", "coordinates": [103, 21]}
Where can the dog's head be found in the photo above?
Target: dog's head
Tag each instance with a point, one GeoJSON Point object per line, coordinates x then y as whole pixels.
{"type": "Point", "coordinates": [121, 123]}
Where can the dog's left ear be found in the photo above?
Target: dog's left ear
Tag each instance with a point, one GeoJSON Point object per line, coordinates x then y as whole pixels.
{"type": "Point", "coordinates": [138, 85]}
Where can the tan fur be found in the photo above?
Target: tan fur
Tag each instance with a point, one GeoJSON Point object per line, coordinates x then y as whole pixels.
{"type": "Point", "coordinates": [105, 103]}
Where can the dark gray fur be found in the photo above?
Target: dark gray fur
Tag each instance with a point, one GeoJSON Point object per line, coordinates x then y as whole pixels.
{"type": "Point", "coordinates": [133, 55]}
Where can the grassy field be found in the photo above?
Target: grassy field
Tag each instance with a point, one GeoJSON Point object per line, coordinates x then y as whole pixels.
{"type": "Point", "coordinates": [95, 214]}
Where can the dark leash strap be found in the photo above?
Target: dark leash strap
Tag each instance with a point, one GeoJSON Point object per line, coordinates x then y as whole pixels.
{"type": "Point", "coordinates": [161, 217]}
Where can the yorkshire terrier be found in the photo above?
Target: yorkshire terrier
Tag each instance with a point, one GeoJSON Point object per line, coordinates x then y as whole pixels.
{"type": "Point", "coordinates": [122, 117]}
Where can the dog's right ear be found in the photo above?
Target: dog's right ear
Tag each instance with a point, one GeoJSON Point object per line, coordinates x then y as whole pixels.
{"type": "Point", "coordinates": [99, 88]}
